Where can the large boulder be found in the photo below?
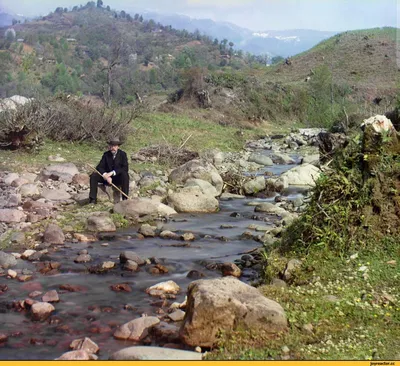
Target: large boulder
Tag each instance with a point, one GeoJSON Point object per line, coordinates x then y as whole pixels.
{"type": "Point", "coordinates": [261, 159]}
{"type": "Point", "coordinates": [226, 304]}
{"type": "Point", "coordinates": [192, 199]}
{"type": "Point", "coordinates": [136, 329]}
{"type": "Point", "coordinates": [302, 175]}
{"type": "Point", "coordinates": [100, 222]}
{"type": "Point", "coordinates": [139, 207]}
{"type": "Point", "coordinates": [199, 170]}
{"type": "Point", "coordinates": [154, 353]}
{"type": "Point", "coordinates": [281, 158]}
{"type": "Point", "coordinates": [206, 187]}
{"type": "Point", "coordinates": [254, 185]}
{"type": "Point", "coordinates": [62, 172]}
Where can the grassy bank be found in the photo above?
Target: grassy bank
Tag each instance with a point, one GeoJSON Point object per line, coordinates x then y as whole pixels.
{"type": "Point", "coordinates": [352, 306]}
{"type": "Point", "coordinates": [149, 129]}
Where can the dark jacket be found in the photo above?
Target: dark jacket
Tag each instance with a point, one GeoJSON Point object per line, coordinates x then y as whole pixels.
{"type": "Point", "coordinates": [108, 164]}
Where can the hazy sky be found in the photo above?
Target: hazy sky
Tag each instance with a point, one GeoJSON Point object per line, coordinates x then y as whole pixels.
{"type": "Point", "coordinates": [336, 15]}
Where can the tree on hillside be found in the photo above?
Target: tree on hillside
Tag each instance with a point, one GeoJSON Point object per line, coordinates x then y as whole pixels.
{"type": "Point", "coordinates": [113, 61]}
{"type": "Point", "coordinates": [99, 3]}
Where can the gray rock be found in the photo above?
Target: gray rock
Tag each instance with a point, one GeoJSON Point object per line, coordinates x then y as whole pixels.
{"type": "Point", "coordinates": [62, 172]}
{"type": "Point", "coordinates": [255, 185]}
{"type": "Point", "coordinates": [192, 199]}
{"type": "Point", "coordinates": [302, 175]}
{"type": "Point", "coordinates": [281, 158]}
{"type": "Point", "coordinates": [226, 196]}
{"type": "Point", "coordinates": [7, 260]}
{"type": "Point", "coordinates": [206, 187]}
{"type": "Point", "coordinates": [177, 315]}
{"type": "Point", "coordinates": [85, 344]}
{"type": "Point", "coordinates": [155, 353]}
{"type": "Point", "coordinates": [14, 200]}
{"type": "Point", "coordinates": [100, 223]}
{"type": "Point", "coordinates": [9, 178]}
{"type": "Point", "coordinates": [78, 355]}
{"type": "Point", "coordinates": [131, 266]}
{"type": "Point", "coordinates": [261, 159]}
{"type": "Point", "coordinates": [291, 266]}
{"type": "Point", "coordinates": [29, 190]}
{"type": "Point", "coordinates": [9, 215]}
{"type": "Point", "coordinates": [30, 177]}
{"type": "Point", "coordinates": [199, 170]}
{"type": "Point", "coordinates": [147, 230]}
{"type": "Point", "coordinates": [225, 304]}
{"type": "Point", "coordinates": [136, 329]}
{"type": "Point", "coordinates": [53, 235]}
{"type": "Point", "coordinates": [139, 207]}
{"type": "Point", "coordinates": [311, 159]}
{"type": "Point", "coordinates": [132, 256]}
{"type": "Point", "coordinates": [83, 258]}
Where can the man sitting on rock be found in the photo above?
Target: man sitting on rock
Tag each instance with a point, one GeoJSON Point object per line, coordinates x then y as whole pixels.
{"type": "Point", "coordinates": [113, 168]}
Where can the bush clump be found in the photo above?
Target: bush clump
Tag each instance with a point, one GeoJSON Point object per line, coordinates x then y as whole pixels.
{"type": "Point", "coordinates": [62, 118]}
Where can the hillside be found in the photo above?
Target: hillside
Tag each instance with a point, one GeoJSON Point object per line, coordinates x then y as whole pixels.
{"type": "Point", "coordinates": [89, 49]}
{"type": "Point", "coordinates": [363, 60]}
{"type": "Point", "coordinates": [119, 59]}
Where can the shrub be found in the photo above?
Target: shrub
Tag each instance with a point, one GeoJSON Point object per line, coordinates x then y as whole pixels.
{"type": "Point", "coordinates": [63, 118]}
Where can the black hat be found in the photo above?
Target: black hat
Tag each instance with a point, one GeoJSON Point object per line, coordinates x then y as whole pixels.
{"type": "Point", "coordinates": [114, 141]}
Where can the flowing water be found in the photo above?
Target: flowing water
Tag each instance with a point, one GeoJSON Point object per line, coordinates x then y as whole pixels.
{"type": "Point", "coordinates": [98, 311]}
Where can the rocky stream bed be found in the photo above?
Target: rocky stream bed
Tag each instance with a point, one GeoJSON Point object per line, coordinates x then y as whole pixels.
{"type": "Point", "coordinates": [102, 290]}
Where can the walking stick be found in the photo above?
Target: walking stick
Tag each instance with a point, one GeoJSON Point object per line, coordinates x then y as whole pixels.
{"type": "Point", "coordinates": [110, 183]}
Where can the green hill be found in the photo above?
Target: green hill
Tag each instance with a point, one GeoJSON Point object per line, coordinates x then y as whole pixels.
{"type": "Point", "coordinates": [114, 57]}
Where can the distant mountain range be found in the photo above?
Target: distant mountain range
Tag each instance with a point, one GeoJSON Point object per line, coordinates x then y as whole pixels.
{"type": "Point", "coordinates": [271, 42]}
{"type": "Point", "coordinates": [283, 43]}
{"type": "Point", "coordinates": [6, 19]}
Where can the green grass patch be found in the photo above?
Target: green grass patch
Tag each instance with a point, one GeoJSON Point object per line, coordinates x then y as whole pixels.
{"type": "Point", "coordinates": [150, 129]}
{"type": "Point", "coordinates": [363, 324]}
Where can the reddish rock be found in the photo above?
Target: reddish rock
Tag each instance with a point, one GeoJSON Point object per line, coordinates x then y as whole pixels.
{"type": "Point", "coordinates": [100, 329]}
{"type": "Point", "coordinates": [9, 215]}
{"type": "Point", "coordinates": [161, 268]}
{"type": "Point", "coordinates": [154, 270]}
{"type": "Point", "coordinates": [121, 287]}
{"type": "Point", "coordinates": [32, 286]}
{"type": "Point", "coordinates": [3, 288]}
{"type": "Point", "coordinates": [86, 238]}
{"type": "Point", "coordinates": [81, 179]}
{"type": "Point", "coordinates": [29, 302]}
{"type": "Point", "coordinates": [230, 269]}
{"type": "Point", "coordinates": [3, 338]}
{"type": "Point", "coordinates": [24, 278]}
{"type": "Point", "coordinates": [35, 294]}
{"type": "Point", "coordinates": [36, 341]}
{"type": "Point", "coordinates": [34, 206]}
{"type": "Point", "coordinates": [51, 296]}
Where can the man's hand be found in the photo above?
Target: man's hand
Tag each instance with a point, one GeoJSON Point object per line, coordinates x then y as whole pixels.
{"type": "Point", "coordinates": [107, 177]}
